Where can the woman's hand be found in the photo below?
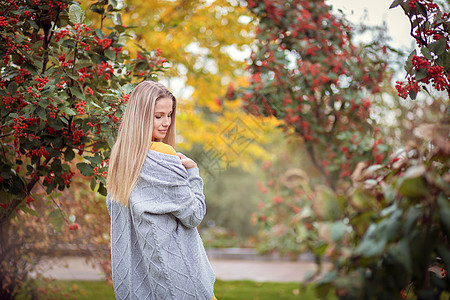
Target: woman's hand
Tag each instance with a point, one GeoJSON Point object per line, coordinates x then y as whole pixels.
{"type": "Point", "coordinates": [186, 161]}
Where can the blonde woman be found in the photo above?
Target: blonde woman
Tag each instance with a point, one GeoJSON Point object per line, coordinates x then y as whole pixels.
{"type": "Point", "coordinates": [155, 200]}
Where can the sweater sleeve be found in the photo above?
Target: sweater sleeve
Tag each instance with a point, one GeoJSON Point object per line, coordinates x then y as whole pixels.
{"type": "Point", "coordinates": [181, 196]}
{"type": "Point", "coordinates": [192, 215]}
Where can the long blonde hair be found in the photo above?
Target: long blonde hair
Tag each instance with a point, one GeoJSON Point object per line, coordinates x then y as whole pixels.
{"type": "Point", "coordinates": [134, 139]}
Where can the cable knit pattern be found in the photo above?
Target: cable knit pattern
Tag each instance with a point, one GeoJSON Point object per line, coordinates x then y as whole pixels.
{"type": "Point", "coordinates": [156, 251]}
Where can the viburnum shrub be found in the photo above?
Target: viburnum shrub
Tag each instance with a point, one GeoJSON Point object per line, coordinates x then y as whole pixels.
{"type": "Point", "coordinates": [307, 72]}
{"type": "Point", "coordinates": [430, 27]}
{"type": "Point", "coordinates": [386, 234]}
{"type": "Point", "coordinates": [63, 87]}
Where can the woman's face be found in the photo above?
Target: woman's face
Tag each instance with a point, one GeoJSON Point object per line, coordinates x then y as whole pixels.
{"type": "Point", "coordinates": [162, 118]}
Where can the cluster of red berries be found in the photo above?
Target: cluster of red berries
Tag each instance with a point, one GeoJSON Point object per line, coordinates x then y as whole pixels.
{"type": "Point", "coordinates": [41, 82]}
{"type": "Point", "coordinates": [29, 199]}
{"type": "Point", "coordinates": [404, 88]}
{"type": "Point", "coordinates": [105, 43]}
{"type": "Point", "coordinates": [74, 226]}
{"type": "Point", "coordinates": [49, 178]}
{"type": "Point", "coordinates": [3, 21]}
{"type": "Point", "coordinates": [103, 173]}
{"type": "Point", "coordinates": [41, 152]}
{"type": "Point", "coordinates": [76, 136]}
{"type": "Point", "coordinates": [67, 177]}
{"type": "Point", "coordinates": [21, 124]}
{"type": "Point", "coordinates": [61, 34]}
{"type": "Point", "coordinates": [80, 107]}
{"type": "Point", "coordinates": [419, 62]}
{"type": "Point", "coordinates": [83, 72]}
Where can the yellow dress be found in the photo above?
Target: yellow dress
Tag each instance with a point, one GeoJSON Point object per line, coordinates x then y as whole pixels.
{"type": "Point", "coordinates": [167, 149]}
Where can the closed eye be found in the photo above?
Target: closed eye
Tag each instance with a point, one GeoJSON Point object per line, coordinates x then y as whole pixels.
{"type": "Point", "coordinates": [159, 117]}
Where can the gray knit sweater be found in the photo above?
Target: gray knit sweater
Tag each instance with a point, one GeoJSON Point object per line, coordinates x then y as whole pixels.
{"type": "Point", "coordinates": [156, 251]}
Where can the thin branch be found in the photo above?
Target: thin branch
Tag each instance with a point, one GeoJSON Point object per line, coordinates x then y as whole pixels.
{"type": "Point", "coordinates": [6, 135]}
{"type": "Point", "coordinates": [419, 38]}
{"type": "Point", "coordinates": [48, 34]}
{"type": "Point", "coordinates": [58, 206]}
{"type": "Point", "coordinates": [312, 155]}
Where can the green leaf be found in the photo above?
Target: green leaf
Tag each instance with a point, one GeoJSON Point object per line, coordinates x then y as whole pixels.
{"type": "Point", "coordinates": [395, 3]}
{"type": "Point", "coordinates": [85, 169]}
{"type": "Point", "coordinates": [444, 212]}
{"type": "Point", "coordinates": [56, 219]}
{"type": "Point", "coordinates": [405, 6]}
{"type": "Point", "coordinates": [326, 203]}
{"type": "Point", "coordinates": [438, 47]}
{"type": "Point", "coordinates": [413, 184]}
{"type": "Point", "coordinates": [99, 33]}
{"type": "Point", "coordinates": [40, 112]}
{"type": "Point", "coordinates": [119, 19]}
{"type": "Point", "coordinates": [76, 14]}
{"type": "Point", "coordinates": [421, 74]}
{"type": "Point", "coordinates": [338, 230]}
{"type": "Point", "coordinates": [102, 189]}
{"type": "Point", "coordinates": [362, 201]}
{"type": "Point", "coordinates": [328, 277]}
{"type": "Point", "coordinates": [69, 154]}
{"type": "Point", "coordinates": [77, 93]}
{"type": "Point", "coordinates": [426, 53]}
{"type": "Point", "coordinates": [411, 219]}
{"type": "Point", "coordinates": [68, 111]}
{"type": "Point", "coordinates": [369, 247]}
{"type": "Point", "coordinates": [120, 28]}
{"type": "Point", "coordinates": [412, 94]}
{"type": "Point", "coordinates": [17, 185]}
{"type": "Point", "coordinates": [12, 87]}
{"type": "Point", "coordinates": [96, 159]}
{"type": "Point", "coordinates": [401, 254]}
{"type": "Point", "coordinates": [422, 9]}
{"type": "Point", "coordinates": [110, 54]}
{"type": "Point", "coordinates": [389, 210]}
{"type": "Point", "coordinates": [128, 88]}
{"type": "Point", "coordinates": [408, 63]}
{"type": "Point", "coordinates": [93, 184]}
{"type": "Point", "coordinates": [30, 211]}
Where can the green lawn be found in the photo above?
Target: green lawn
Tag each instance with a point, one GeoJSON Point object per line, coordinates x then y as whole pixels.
{"type": "Point", "coordinates": [224, 290]}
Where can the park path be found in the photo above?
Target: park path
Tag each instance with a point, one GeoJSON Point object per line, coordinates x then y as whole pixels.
{"type": "Point", "coordinates": [76, 268]}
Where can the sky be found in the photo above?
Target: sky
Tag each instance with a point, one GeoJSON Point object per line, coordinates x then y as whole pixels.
{"type": "Point", "coordinates": [374, 12]}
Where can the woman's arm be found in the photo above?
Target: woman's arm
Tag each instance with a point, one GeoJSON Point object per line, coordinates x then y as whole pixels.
{"type": "Point", "coordinates": [167, 187]}
{"type": "Point", "coordinates": [192, 214]}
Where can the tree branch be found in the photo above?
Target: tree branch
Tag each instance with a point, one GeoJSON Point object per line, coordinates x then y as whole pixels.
{"type": "Point", "coordinates": [6, 135]}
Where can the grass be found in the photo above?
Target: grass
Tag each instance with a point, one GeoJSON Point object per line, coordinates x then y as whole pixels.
{"type": "Point", "coordinates": [224, 290]}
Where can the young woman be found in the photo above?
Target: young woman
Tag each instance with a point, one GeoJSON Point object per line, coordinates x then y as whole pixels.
{"type": "Point", "coordinates": [155, 200]}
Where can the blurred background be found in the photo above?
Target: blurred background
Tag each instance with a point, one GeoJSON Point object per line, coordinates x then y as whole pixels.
{"type": "Point", "coordinates": [320, 128]}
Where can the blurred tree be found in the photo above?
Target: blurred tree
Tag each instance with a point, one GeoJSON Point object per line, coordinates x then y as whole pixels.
{"type": "Point", "coordinates": [386, 234]}
{"type": "Point", "coordinates": [307, 72]}
{"type": "Point", "coordinates": [207, 43]}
